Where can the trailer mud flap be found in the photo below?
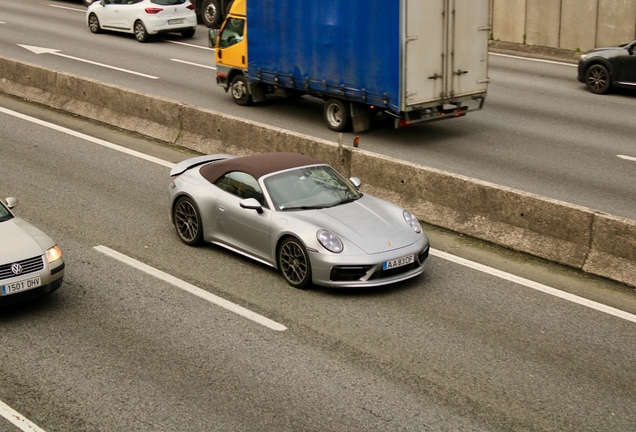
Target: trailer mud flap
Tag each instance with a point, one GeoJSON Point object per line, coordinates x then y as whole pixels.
{"type": "Point", "coordinates": [257, 91]}
{"type": "Point", "coordinates": [360, 117]}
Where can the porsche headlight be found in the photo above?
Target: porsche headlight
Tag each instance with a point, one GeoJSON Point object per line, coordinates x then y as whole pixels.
{"type": "Point", "coordinates": [329, 241]}
{"type": "Point", "coordinates": [53, 254]}
{"type": "Point", "coordinates": [412, 221]}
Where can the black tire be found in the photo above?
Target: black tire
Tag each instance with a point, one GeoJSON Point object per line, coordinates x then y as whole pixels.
{"type": "Point", "coordinates": [141, 34]}
{"type": "Point", "coordinates": [188, 33]}
{"type": "Point", "coordinates": [239, 91]}
{"type": "Point", "coordinates": [211, 13]}
{"type": "Point", "coordinates": [93, 24]}
{"type": "Point", "coordinates": [294, 264]}
{"type": "Point", "coordinates": [88, 2]}
{"type": "Point", "coordinates": [187, 221]}
{"type": "Point", "coordinates": [598, 79]}
{"type": "Point", "coordinates": [337, 115]}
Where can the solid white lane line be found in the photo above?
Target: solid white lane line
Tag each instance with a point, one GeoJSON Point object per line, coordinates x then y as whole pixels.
{"type": "Point", "coordinates": [219, 301]}
{"type": "Point", "coordinates": [69, 8]}
{"type": "Point", "coordinates": [190, 45]}
{"type": "Point", "coordinates": [193, 64]}
{"type": "Point", "coordinates": [18, 419]}
{"type": "Point", "coordinates": [536, 286]}
{"type": "Point", "coordinates": [533, 59]}
{"type": "Point", "coordinates": [88, 138]}
{"type": "Point", "coordinates": [627, 157]}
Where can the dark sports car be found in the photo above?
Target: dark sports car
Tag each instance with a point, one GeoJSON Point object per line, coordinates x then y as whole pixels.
{"type": "Point", "coordinates": [299, 215]}
{"type": "Point", "coordinates": [604, 68]}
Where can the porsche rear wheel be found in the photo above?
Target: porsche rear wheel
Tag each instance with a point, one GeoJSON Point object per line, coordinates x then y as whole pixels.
{"type": "Point", "coordinates": [187, 221]}
{"type": "Point", "coordinates": [294, 264]}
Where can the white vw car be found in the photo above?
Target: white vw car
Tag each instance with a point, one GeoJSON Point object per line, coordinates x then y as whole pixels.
{"type": "Point", "coordinates": [143, 18]}
{"type": "Point", "coordinates": [31, 264]}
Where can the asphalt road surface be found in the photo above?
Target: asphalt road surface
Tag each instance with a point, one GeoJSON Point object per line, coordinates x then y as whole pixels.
{"type": "Point", "coordinates": [541, 131]}
{"type": "Point", "coordinates": [118, 349]}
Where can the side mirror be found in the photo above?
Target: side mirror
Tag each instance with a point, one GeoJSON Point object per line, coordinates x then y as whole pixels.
{"type": "Point", "coordinates": [251, 204]}
{"type": "Point", "coordinates": [11, 202]}
{"type": "Point", "coordinates": [355, 181]}
{"type": "Point", "coordinates": [213, 34]}
{"type": "Point", "coordinates": [102, 2]}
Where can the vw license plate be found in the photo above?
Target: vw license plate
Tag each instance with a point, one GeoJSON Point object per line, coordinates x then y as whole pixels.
{"type": "Point", "coordinates": [22, 285]}
{"type": "Point", "coordinates": [398, 262]}
{"type": "Point", "coordinates": [175, 21]}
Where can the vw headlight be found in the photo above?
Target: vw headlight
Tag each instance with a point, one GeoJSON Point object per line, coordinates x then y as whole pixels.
{"type": "Point", "coordinates": [329, 241]}
{"type": "Point", "coordinates": [412, 221]}
{"type": "Point", "coordinates": [53, 254]}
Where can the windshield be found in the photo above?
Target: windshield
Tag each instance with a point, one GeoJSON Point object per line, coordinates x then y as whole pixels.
{"type": "Point", "coordinates": [310, 188]}
{"type": "Point", "coordinates": [4, 213]}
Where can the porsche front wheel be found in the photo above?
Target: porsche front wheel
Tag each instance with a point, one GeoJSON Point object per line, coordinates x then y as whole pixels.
{"type": "Point", "coordinates": [294, 264]}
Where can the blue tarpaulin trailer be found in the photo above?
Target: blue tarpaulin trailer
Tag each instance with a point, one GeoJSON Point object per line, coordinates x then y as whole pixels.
{"type": "Point", "coordinates": [415, 60]}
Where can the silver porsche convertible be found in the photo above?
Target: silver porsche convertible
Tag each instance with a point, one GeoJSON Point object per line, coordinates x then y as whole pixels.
{"type": "Point", "coordinates": [299, 215]}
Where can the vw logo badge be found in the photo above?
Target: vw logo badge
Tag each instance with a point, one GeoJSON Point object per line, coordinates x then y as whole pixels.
{"type": "Point", "coordinates": [16, 268]}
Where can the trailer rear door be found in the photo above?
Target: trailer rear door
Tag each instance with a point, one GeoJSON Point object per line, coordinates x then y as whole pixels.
{"type": "Point", "coordinates": [469, 33]}
{"type": "Point", "coordinates": [445, 54]}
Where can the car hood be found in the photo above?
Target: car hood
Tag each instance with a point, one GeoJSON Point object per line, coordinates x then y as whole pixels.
{"type": "Point", "coordinates": [605, 50]}
{"type": "Point", "coordinates": [20, 240]}
{"type": "Point", "coordinates": [371, 224]}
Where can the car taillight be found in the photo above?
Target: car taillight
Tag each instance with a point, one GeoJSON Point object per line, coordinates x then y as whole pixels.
{"type": "Point", "coordinates": [190, 6]}
{"type": "Point", "coordinates": [152, 11]}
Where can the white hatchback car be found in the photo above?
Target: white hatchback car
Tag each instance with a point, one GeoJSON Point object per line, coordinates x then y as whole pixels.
{"type": "Point", "coordinates": [143, 18]}
{"type": "Point", "coordinates": [31, 264]}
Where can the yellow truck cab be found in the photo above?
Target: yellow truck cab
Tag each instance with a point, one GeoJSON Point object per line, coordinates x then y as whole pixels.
{"type": "Point", "coordinates": [231, 53]}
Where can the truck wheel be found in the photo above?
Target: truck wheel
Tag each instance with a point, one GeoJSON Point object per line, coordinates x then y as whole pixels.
{"type": "Point", "coordinates": [337, 115]}
{"type": "Point", "coordinates": [239, 91]}
{"type": "Point", "coordinates": [211, 13]}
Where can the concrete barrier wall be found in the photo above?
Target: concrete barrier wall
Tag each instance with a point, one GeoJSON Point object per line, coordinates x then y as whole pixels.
{"type": "Point", "coordinates": [616, 22]}
{"type": "Point", "coordinates": [567, 24]}
{"type": "Point", "coordinates": [578, 237]}
{"type": "Point", "coordinates": [508, 20]}
{"type": "Point", "coordinates": [543, 20]}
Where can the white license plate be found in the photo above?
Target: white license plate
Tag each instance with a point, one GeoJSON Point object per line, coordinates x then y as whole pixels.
{"type": "Point", "coordinates": [22, 285]}
{"type": "Point", "coordinates": [175, 21]}
{"type": "Point", "coordinates": [398, 262]}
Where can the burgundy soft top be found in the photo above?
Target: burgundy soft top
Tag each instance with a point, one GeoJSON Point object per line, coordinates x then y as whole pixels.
{"type": "Point", "coordinates": [257, 165]}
